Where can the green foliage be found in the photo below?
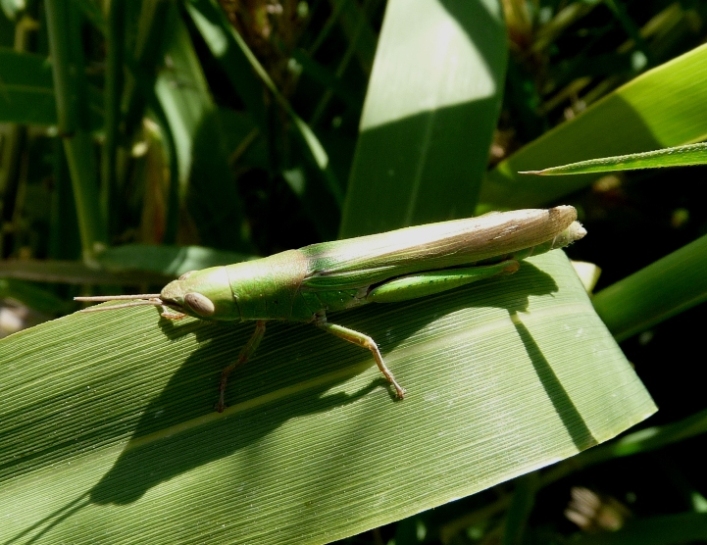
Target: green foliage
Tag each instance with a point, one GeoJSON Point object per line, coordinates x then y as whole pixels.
{"type": "Point", "coordinates": [151, 138]}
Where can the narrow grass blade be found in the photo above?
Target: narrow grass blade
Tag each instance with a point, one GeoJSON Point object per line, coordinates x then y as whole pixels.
{"type": "Point", "coordinates": [661, 290]}
{"type": "Point", "coordinates": [679, 156]}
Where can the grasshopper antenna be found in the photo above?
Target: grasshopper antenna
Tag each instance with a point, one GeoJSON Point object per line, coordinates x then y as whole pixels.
{"type": "Point", "coordinates": [139, 300]}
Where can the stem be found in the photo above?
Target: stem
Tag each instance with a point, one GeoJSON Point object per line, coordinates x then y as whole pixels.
{"type": "Point", "coordinates": [113, 93]}
{"type": "Point", "coordinates": [72, 117]}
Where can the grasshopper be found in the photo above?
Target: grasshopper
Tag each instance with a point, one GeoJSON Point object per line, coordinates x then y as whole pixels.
{"type": "Point", "coordinates": [303, 285]}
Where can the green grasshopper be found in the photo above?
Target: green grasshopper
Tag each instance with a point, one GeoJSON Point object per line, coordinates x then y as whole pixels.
{"type": "Point", "coordinates": [303, 285]}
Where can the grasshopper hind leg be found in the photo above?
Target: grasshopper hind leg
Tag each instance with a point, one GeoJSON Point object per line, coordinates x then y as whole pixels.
{"type": "Point", "coordinates": [361, 339]}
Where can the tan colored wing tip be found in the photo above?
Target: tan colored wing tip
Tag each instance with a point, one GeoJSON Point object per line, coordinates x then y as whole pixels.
{"type": "Point", "coordinates": [577, 231]}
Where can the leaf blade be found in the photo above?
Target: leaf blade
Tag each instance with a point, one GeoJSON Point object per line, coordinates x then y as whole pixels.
{"type": "Point", "coordinates": [129, 433]}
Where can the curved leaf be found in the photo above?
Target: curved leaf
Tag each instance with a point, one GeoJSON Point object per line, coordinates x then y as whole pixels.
{"type": "Point", "coordinates": [657, 292]}
{"type": "Point", "coordinates": [658, 109]}
{"type": "Point", "coordinates": [428, 119]}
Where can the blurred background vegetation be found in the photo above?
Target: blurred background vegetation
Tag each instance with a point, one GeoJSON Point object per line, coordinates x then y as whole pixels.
{"type": "Point", "coordinates": [143, 139]}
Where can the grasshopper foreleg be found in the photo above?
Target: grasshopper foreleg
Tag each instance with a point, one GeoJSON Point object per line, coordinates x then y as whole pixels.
{"type": "Point", "coordinates": [363, 340]}
{"type": "Point", "coordinates": [169, 314]}
{"type": "Point", "coordinates": [243, 357]}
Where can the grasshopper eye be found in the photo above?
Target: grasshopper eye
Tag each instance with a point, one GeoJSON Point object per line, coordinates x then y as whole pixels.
{"type": "Point", "coordinates": [200, 304]}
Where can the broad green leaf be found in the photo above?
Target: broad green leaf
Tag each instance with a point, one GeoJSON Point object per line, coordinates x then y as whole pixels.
{"type": "Point", "coordinates": [429, 115]}
{"type": "Point", "coordinates": [661, 108]}
{"type": "Point", "coordinates": [679, 156]}
{"type": "Point", "coordinates": [111, 414]}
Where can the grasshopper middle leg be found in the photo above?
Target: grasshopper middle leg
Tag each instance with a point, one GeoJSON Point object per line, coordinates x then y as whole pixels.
{"type": "Point", "coordinates": [365, 341]}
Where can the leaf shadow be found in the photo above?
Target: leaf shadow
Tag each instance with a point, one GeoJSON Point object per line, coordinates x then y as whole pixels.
{"type": "Point", "coordinates": [169, 441]}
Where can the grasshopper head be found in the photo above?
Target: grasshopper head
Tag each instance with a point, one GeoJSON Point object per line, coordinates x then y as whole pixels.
{"type": "Point", "coordinates": [202, 294]}
{"type": "Point", "coordinates": [181, 298]}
